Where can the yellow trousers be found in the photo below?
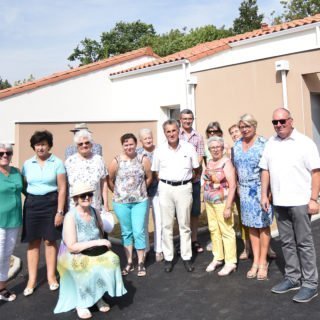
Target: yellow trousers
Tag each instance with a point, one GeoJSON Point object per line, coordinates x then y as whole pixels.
{"type": "Point", "coordinates": [222, 234]}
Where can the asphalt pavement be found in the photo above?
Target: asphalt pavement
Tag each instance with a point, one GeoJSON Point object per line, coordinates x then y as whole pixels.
{"type": "Point", "coordinates": [176, 295]}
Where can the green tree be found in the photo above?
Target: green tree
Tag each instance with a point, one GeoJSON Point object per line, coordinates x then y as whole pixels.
{"type": "Point", "coordinates": [297, 9]}
{"type": "Point", "coordinates": [4, 84]}
{"type": "Point", "coordinates": [248, 19]}
{"type": "Point", "coordinates": [29, 79]}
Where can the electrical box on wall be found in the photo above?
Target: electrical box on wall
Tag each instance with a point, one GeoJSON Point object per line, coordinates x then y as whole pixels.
{"type": "Point", "coordinates": [282, 65]}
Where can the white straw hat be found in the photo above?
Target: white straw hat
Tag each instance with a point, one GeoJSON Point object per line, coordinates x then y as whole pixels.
{"type": "Point", "coordinates": [81, 187]}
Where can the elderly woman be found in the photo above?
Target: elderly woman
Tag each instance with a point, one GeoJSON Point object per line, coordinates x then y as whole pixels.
{"type": "Point", "coordinates": [129, 177]}
{"type": "Point", "coordinates": [84, 279]}
{"type": "Point", "coordinates": [87, 167]}
{"type": "Point", "coordinates": [10, 215]}
{"type": "Point", "coordinates": [45, 179]}
{"type": "Point", "coordinates": [214, 129]}
{"type": "Point", "coordinates": [219, 190]}
{"type": "Point", "coordinates": [247, 153]}
{"type": "Point", "coordinates": [146, 139]}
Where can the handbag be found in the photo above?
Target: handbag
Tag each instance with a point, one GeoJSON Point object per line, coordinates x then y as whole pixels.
{"type": "Point", "coordinates": [107, 220]}
{"type": "Point", "coordinates": [96, 250]}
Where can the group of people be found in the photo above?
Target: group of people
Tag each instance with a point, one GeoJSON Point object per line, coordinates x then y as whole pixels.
{"type": "Point", "coordinates": [66, 200]}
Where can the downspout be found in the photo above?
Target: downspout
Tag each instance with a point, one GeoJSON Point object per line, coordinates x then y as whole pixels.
{"type": "Point", "coordinates": [283, 67]}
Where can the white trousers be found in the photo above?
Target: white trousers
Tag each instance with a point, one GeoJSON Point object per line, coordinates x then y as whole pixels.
{"type": "Point", "coordinates": [175, 200]}
{"type": "Point", "coordinates": [8, 238]}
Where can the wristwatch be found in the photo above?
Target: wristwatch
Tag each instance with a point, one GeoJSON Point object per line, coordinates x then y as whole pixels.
{"type": "Point", "coordinates": [60, 212]}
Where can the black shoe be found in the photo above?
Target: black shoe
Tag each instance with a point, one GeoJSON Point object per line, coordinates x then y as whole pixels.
{"type": "Point", "coordinates": [188, 266]}
{"type": "Point", "coordinates": [168, 266]}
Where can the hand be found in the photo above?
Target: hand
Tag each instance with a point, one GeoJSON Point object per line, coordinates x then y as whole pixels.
{"type": "Point", "coordinates": [265, 203]}
{"type": "Point", "coordinates": [313, 207]}
{"type": "Point", "coordinates": [58, 219]}
{"type": "Point", "coordinates": [227, 213]}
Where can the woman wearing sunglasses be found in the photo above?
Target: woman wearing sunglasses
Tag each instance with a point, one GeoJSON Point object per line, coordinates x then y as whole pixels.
{"type": "Point", "coordinates": [10, 215]}
{"type": "Point", "coordinates": [247, 153]}
{"type": "Point", "coordinates": [87, 167]}
{"type": "Point", "coordinates": [85, 278]}
{"type": "Point", "coordinates": [45, 179]}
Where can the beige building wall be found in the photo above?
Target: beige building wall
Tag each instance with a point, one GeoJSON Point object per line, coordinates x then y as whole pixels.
{"type": "Point", "coordinates": [226, 93]}
{"type": "Point", "coordinates": [106, 133]}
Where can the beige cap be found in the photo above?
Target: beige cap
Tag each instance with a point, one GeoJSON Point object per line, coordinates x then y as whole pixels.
{"type": "Point", "coordinates": [80, 126]}
{"type": "Point", "coordinates": [81, 187]}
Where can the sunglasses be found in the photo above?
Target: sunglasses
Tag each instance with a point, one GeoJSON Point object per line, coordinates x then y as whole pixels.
{"type": "Point", "coordinates": [282, 121]}
{"type": "Point", "coordinates": [213, 131]}
{"type": "Point", "coordinates": [7, 153]}
{"type": "Point", "coordinates": [80, 144]}
{"type": "Point", "coordinates": [85, 195]}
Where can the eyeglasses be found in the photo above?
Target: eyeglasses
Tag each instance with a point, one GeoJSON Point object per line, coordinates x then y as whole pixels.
{"type": "Point", "coordinates": [214, 131]}
{"type": "Point", "coordinates": [86, 143]}
{"type": "Point", "coordinates": [215, 148]}
{"type": "Point", "coordinates": [85, 195]}
{"type": "Point", "coordinates": [282, 121]}
{"type": "Point", "coordinates": [244, 127]}
{"type": "Point", "coordinates": [7, 153]}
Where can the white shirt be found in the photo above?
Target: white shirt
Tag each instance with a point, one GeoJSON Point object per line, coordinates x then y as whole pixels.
{"type": "Point", "coordinates": [175, 164]}
{"type": "Point", "coordinates": [290, 162]}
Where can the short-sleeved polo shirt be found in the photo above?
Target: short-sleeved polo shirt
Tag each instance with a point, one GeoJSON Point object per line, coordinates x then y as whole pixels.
{"type": "Point", "coordinates": [290, 162]}
{"type": "Point", "coordinates": [175, 164]}
{"type": "Point", "coordinates": [42, 180]}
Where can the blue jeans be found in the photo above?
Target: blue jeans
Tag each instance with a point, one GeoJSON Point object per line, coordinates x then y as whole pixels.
{"type": "Point", "coordinates": [132, 222]}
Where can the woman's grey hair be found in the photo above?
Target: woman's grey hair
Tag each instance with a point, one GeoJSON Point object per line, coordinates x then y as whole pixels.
{"type": "Point", "coordinates": [249, 120]}
{"type": "Point", "coordinates": [6, 146]}
{"type": "Point", "coordinates": [144, 131]}
{"type": "Point", "coordinates": [82, 134]}
{"type": "Point", "coordinates": [215, 139]}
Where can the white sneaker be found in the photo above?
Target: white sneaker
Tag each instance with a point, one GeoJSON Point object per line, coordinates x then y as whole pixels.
{"type": "Point", "coordinates": [213, 265]}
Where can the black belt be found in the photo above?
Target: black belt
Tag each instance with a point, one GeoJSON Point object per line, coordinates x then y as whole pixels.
{"type": "Point", "coordinates": [176, 183]}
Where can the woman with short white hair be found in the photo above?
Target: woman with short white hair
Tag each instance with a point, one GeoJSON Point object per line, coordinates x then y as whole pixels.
{"type": "Point", "coordinates": [10, 215]}
{"type": "Point", "coordinates": [89, 168]}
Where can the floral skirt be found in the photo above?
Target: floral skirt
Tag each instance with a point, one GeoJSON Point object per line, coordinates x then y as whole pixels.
{"type": "Point", "coordinates": [84, 280]}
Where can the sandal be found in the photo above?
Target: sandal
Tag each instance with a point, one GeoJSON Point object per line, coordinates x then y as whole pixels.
{"type": "Point", "coordinates": [244, 255]}
{"type": "Point", "coordinates": [6, 295]}
{"type": "Point", "coordinates": [159, 256]}
{"type": "Point", "coordinates": [102, 305]}
{"type": "Point", "coordinates": [84, 313]}
{"type": "Point", "coordinates": [252, 273]}
{"type": "Point", "coordinates": [141, 270]}
{"type": "Point", "coordinates": [128, 268]}
{"type": "Point", "coordinates": [263, 271]}
{"type": "Point", "coordinates": [196, 246]}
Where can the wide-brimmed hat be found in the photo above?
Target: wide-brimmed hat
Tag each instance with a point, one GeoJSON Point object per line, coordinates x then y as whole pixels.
{"type": "Point", "coordinates": [80, 126]}
{"type": "Point", "coordinates": [81, 187]}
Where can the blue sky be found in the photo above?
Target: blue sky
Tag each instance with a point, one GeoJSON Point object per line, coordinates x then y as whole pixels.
{"type": "Point", "coordinates": [37, 36]}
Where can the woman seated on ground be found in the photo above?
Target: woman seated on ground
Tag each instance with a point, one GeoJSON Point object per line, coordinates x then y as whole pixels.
{"type": "Point", "coordinates": [146, 139]}
{"type": "Point", "coordinates": [219, 190]}
{"type": "Point", "coordinates": [10, 215]}
{"type": "Point", "coordinates": [84, 279]}
{"type": "Point", "coordinates": [43, 212]}
{"type": "Point", "coordinates": [129, 177]}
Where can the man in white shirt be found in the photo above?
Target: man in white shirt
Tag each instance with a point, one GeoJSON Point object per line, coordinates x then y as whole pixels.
{"type": "Point", "coordinates": [291, 167]}
{"type": "Point", "coordinates": [174, 163]}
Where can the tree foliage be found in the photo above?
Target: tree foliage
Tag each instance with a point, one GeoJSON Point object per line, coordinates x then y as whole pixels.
{"type": "Point", "coordinates": [297, 9]}
{"type": "Point", "coordinates": [29, 79]}
{"type": "Point", "coordinates": [248, 19]}
{"type": "Point", "coordinates": [4, 84]}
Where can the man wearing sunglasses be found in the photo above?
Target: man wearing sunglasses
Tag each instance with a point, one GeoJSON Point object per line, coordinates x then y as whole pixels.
{"type": "Point", "coordinates": [72, 149]}
{"type": "Point", "coordinates": [291, 167]}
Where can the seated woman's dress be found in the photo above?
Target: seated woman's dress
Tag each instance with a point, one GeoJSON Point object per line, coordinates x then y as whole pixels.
{"type": "Point", "coordinates": [85, 279]}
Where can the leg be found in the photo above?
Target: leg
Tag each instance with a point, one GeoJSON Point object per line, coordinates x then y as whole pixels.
{"type": "Point", "coordinates": [157, 224]}
{"type": "Point", "coordinates": [51, 261]}
{"type": "Point", "coordinates": [33, 254]}
{"type": "Point", "coordinates": [255, 245]}
{"type": "Point", "coordinates": [264, 248]}
{"type": "Point", "coordinates": [183, 200]}
{"type": "Point", "coordinates": [195, 213]}
{"type": "Point", "coordinates": [167, 210]}
{"type": "Point", "coordinates": [146, 226]}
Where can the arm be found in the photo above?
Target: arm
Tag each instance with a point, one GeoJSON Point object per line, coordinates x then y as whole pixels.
{"type": "Point", "coordinates": [265, 182]}
{"type": "Point", "coordinates": [147, 169]}
{"type": "Point", "coordinates": [62, 192]}
{"type": "Point", "coordinates": [231, 178]}
{"type": "Point", "coordinates": [313, 205]}
{"type": "Point", "coordinates": [70, 237]}
{"type": "Point", "coordinates": [113, 167]}
{"type": "Point", "coordinates": [104, 192]}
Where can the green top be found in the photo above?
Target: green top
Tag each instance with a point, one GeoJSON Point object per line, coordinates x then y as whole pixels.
{"type": "Point", "coordinates": [10, 199]}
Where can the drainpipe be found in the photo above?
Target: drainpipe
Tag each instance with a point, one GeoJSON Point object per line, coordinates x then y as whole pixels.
{"type": "Point", "coordinates": [283, 67]}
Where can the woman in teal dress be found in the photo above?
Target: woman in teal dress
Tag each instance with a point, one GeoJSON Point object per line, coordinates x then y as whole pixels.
{"type": "Point", "coordinates": [247, 153]}
{"type": "Point", "coordinates": [85, 279]}
{"type": "Point", "coordinates": [10, 215]}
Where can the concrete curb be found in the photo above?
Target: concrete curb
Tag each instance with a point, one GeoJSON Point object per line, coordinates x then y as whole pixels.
{"type": "Point", "coordinates": [15, 267]}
